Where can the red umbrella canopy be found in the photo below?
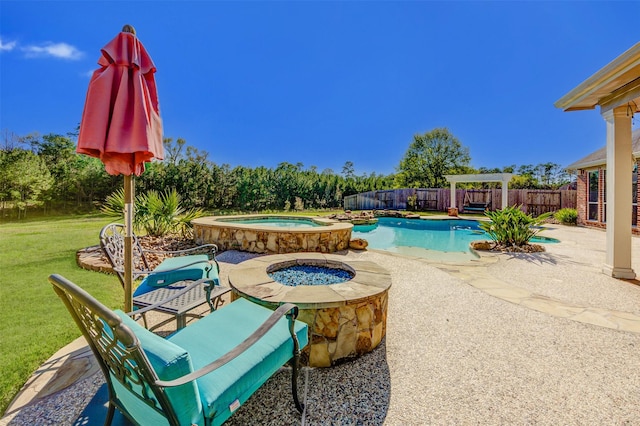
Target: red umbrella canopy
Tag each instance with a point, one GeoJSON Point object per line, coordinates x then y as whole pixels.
{"type": "Point", "coordinates": [121, 122]}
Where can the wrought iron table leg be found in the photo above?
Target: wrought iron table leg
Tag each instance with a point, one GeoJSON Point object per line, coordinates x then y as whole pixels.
{"type": "Point", "coordinates": [181, 321]}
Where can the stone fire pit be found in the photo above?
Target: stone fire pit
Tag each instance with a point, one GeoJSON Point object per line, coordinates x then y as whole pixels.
{"type": "Point", "coordinates": [345, 320]}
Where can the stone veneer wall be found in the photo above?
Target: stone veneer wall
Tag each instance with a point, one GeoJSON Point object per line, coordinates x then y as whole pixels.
{"type": "Point", "coordinates": [346, 331]}
{"type": "Point", "coordinates": [345, 320]}
{"type": "Point", "coordinates": [227, 236]}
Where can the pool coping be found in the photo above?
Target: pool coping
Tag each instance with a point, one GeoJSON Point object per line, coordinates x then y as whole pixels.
{"type": "Point", "coordinates": [330, 224]}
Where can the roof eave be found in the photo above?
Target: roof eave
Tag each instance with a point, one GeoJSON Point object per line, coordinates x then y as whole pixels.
{"type": "Point", "coordinates": [595, 163]}
{"type": "Point", "coordinates": [586, 165]}
{"type": "Point", "coordinates": [588, 94]}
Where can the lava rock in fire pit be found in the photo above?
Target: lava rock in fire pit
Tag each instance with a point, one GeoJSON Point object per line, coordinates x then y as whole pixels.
{"type": "Point", "coordinates": [310, 275]}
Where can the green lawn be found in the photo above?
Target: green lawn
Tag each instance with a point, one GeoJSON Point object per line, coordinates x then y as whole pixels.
{"type": "Point", "coordinates": [34, 323]}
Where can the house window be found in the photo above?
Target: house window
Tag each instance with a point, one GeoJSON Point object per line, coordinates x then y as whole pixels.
{"type": "Point", "coordinates": [592, 204]}
{"type": "Point", "coordinates": [594, 185]}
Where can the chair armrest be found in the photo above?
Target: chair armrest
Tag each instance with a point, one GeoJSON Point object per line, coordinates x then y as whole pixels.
{"type": "Point", "coordinates": [137, 274]}
{"type": "Point", "coordinates": [179, 267]}
{"type": "Point", "coordinates": [173, 296]}
{"type": "Point", "coordinates": [288, 309]}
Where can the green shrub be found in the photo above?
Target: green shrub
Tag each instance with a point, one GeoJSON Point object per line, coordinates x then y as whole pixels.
{"type": "Point", "coordinates": [157, 213]}
{"type": "Point", "coordinates": [512, 227]}
{"type": "Point", "coordinates": [566, 216]}
{"type": "Point", "coordinates": [412, 202]}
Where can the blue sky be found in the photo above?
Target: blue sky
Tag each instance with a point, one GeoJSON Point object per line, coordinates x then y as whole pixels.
{"type": "Point", "coordinates": [325, 82]}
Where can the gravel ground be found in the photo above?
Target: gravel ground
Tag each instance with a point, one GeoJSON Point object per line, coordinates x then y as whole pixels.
{"type": "Point", "coordinates": [459, 356]}
{"type": "Point", "coordinates": [455, 355]}
{"type": "Point", "coordinates": [61, 408]}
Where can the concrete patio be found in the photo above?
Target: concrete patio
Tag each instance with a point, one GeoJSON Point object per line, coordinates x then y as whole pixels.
{"type": "Point", "coordinates": [541, 338]}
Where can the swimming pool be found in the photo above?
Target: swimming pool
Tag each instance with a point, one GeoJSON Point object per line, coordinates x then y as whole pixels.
{"type": "Point", "coordinates": [441, 239]}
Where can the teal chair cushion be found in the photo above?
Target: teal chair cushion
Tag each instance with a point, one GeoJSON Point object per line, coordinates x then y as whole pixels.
{"type": "Point", "coordinates": [159, 278]}
{"type": "Point", "coordinates": [223, 390]}
{"type": "Point", "coordinates": [169, 361]}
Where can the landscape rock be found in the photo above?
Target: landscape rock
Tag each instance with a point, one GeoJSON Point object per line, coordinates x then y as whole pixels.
{"type": "Point", "coordinates": [491, 246]}
{"type": "Point", "coordinates": [358, 244]}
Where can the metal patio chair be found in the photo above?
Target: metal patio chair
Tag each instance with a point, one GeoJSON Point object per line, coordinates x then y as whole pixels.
{"type": "Point", "coordinates": [197, 376]}
{"type": "Point", "coordinates": [178, 272]}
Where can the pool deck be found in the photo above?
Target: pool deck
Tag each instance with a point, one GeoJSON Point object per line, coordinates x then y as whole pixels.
{"type": "Point", "coordinates": [541, 338]}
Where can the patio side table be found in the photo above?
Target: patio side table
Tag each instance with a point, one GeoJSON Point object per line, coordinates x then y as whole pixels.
{"type": "Point", "coordinates": [180, 306]}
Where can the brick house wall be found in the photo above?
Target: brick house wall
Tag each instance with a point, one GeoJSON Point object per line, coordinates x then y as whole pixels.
{"type": "Point", "coordinates": [597, 161]}
{"type": "Point", "coordinates": [583, 198]}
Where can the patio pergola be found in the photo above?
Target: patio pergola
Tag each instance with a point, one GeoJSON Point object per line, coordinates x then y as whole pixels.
{"type": "Point", "coordinates": [482, 177]}
{"type": "Point", "coordinates": [616, 89]}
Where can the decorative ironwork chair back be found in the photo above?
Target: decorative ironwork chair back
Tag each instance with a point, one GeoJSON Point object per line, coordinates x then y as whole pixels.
{"type": "Point", "coordinates": [112, 242]}
{"type": "Point", "coordinates": [116, 348]}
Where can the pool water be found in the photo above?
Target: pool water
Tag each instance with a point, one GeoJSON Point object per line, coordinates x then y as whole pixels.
{"type": "Point", "coordinates": [276, 222]}
{"type": "Point", "coordinates": [443, 239]}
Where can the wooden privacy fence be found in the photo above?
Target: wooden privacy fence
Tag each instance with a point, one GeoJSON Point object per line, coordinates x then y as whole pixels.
{"type": "Point", "coordinates": [533, 201]}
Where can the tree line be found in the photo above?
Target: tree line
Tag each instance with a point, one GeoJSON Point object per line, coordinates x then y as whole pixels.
{"type": "Point", "coordinates": [434, 154]}
{"type": "Point", "coordinates": [45, 172]}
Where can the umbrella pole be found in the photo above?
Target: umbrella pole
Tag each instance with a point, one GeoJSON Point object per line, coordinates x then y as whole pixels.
{"type": "Point", "coordinates": [128, 243]}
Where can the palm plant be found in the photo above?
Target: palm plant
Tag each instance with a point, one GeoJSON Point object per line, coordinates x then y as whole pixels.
{"type": "Point", "coordinates": [157, 213]}
{"type": "Point", "coordinates": [511, 227]}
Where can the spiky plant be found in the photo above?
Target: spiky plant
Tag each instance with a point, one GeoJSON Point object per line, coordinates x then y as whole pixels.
{"type": "Point", "coordinates": [511, 227]}
{"type": "Point", "coordinates": [157, 213]}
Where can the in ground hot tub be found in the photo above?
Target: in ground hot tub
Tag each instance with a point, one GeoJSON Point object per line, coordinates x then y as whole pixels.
{"type": "Point", "coordinates": [345, 319]}
{"type": "Point", "coordinates": [273, 233]}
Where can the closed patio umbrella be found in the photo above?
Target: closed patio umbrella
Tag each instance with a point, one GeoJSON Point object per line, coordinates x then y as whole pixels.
{"type": "Point", "coordinates": [121, 122]}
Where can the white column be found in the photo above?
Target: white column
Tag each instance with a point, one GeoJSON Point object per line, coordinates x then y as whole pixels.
{"type": "Point", "coordinates": [453, 195]}
{"type": "Point", "coordinates": [619, 197]}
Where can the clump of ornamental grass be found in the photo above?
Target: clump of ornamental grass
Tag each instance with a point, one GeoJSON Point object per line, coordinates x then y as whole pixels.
{"type": "Point", "coordinates": [566, 216]}
{"type": "Point", "coordinates": [511, 229]}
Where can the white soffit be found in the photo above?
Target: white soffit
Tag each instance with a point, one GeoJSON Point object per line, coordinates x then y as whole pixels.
{"type": "Point", "coordinates": [615, 84]}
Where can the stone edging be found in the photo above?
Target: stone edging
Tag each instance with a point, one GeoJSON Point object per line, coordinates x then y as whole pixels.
{"type": "Point", "coordinates": [93, 259]}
